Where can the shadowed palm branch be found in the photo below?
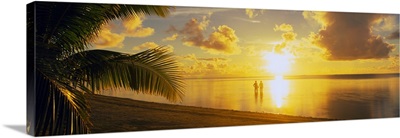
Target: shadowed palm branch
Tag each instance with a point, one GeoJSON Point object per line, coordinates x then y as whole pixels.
{"type": "Point", "coordinates": [66, 73]}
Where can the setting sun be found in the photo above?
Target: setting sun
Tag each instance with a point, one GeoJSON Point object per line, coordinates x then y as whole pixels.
{"type": "Point", "coordinates": [278, 64]}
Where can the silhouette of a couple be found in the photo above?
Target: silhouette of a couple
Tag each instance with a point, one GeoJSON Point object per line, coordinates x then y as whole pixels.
{"type": "Point", "coordinates": [257, 86]}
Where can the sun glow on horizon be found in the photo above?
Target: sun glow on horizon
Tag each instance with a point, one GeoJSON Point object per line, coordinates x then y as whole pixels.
{"type": "Point", "coordinates": [278, 77]}
{"type": "Point", "coordinates": [278, 64]}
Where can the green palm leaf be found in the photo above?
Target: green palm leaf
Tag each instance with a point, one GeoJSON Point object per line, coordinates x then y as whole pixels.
{"type": "Point", "coordinates": [153, 71]}
{"type": "Point", "coordinates": [65, 74]}
{"type": "Point", "coordinates": [62, 108]}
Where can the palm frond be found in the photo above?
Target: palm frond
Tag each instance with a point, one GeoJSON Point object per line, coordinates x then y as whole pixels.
{"type": "Point", "coordinates": [60, 30]}
{"type": "Point", "coordinates": [153, 71]}
{"type": "Point", "coordinates": [157, 73]}
{"type": "Point", "coordinates": [60, 108]}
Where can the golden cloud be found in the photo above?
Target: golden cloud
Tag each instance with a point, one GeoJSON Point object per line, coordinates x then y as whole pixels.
{"type": "Point", "coordinates": [193, 32]}
{"type": "Point", "coordinates": [134, 27]}
{"type": "Point", "coordinates": [194, 66]}
{"type": "Point", "coordinates": [171, 38]}
{"type": "Point", "coordinates": [190, 57]}
{"type": "Point", "coordinates": [195, 27]}
{"type": "Point", "coordinates": [212, 59]}
{"type": "Point", "coordinates": [251, 13]}
{"type": "Point", "coordinates": [193, 57]}
{"type": "Point", "coordinates": [394, 63]}
{"type": "Point", "coordinates": [222, 41]}
{"type": "Point", "coordinates": [283, 27]}
{"type": "Point", "coordinates": [108, 39]}
{"type": "Point", "coordinates": [279, 47]}
{"type": "Point", "coordinates": [289, 36]}
{"type": "Point", "coordinates": [142, 32]}
{"type": "Point", "coordinates": [347, 36]}
{"type": "Point", "coordinates": [315, 16]}
{"type": "Point", "coordinates": [205, 66]}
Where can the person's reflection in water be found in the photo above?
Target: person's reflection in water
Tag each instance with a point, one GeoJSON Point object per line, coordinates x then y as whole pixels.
{"type": "Point", "coordinates": [256, 97]}
{"type": "Point", "coordinates": [261, 97]}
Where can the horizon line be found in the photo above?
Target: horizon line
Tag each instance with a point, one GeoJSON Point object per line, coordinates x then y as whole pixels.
{"type": "Point", "coordinates": [363, 75]}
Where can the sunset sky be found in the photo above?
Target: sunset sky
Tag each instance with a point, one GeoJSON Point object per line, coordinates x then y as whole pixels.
{"type": "Point", "coordinates": [227, 42]}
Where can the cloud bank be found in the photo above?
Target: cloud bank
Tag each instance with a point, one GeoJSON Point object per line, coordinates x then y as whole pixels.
{"type": "Point", "coordinates": [132, 27]}
{"type": "Point", "coordinates": [348, 36]}
{"type": "Point", "coordinates": [222, 40]}
{"type": "Point", "coordinates": [287, 36]}
{"type": "Point", "coordinates": [194, 66]}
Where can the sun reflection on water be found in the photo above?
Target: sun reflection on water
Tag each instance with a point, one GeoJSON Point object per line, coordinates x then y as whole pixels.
{"type": "Point", "coordinates": [279, 89]}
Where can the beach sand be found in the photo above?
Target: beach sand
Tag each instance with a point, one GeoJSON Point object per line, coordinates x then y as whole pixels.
{"type": "Point", "coordinates": [112, 114]}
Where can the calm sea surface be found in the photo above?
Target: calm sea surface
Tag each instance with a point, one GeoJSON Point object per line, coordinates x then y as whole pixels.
{"type": "Point", "coordinates": [343, 97]}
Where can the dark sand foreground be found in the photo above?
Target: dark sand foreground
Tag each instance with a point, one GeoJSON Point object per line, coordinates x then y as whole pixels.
{"type": "Point", "coordinates": [111, 114]}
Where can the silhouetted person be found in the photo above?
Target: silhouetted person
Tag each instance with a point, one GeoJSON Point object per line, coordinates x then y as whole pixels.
{"type": "Point", "coordinates": [255, 86]}
{"type": "Point", "coordinates": [261, 86]}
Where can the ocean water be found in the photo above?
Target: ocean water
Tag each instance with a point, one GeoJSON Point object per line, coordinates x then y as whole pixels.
{"type": "Point", "coordinates": [337, 97]}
